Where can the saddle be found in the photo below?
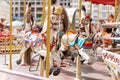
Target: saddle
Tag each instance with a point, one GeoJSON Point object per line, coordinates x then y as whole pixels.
{"type": "Point", "coordinates": [71, 37]}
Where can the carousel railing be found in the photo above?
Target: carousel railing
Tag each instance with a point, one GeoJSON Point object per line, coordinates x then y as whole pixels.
{"type": "Point", "coordinates": [13, 75]}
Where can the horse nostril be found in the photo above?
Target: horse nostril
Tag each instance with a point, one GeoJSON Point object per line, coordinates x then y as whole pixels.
{"type": "Point", "coordinates": [35, 52]}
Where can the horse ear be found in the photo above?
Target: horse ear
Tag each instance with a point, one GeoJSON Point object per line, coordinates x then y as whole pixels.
{"type": "Point", "coordinates": [53, 2]}
{"type": "Point", "coordinates": [90, 19]}
{"type": "Point", "coordinates": [40, 28]}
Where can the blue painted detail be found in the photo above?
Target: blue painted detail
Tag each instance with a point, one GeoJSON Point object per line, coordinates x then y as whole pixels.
{"type": "Point", "coordinates": [81, 41]}
{"type": "Point", "coordinates": [72, 43]}
{"type": "Point", "coordinates": [37, 41]}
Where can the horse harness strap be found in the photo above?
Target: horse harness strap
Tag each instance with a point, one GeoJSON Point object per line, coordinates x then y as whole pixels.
{"type": "Point", "coordinates": [88, 43]}
{"type": "Point", "coordinates": [52, 45]}
{"type": "Point", "coordinates": [74, 40]}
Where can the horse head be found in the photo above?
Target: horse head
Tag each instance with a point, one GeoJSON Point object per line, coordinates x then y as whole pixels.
{"type": "Point", "coordinates": [58, 10]}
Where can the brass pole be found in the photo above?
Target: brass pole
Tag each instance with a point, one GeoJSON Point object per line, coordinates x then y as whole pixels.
{"type": "Point", "coordinates": [43, 11]}
{"type": "Point", "coordinates": [98, 12]}
{"type": "Point", "coordinates": [10, 66]}
{"type": "Point", "coordinates": [43, 18]}
{"type": "Point", "coordinates": [108, 9]}
{"type": "Point", "coordinates": [48, 40]}
{"type": "Point", "coordinates": [78, 63]}
{"type": "Point", "coordinates": [24, 13]}
{"type": "Point", "coordinates": [41, 66]}
{"type": "Point", "coordinates": [115, 10]}
{"type": "Point", "coordinates": [79, 8]}
{"type": "Point", "coordinates": [91, 9]}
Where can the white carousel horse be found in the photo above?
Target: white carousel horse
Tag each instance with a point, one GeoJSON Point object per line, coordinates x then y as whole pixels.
{"type": "Point", "coordinates": [86, 45]}
{"type": "Point", "coordinates": [30, 40]}
{"type": "Point", "coordinates": [54, 29]}
{"type": "Point", "coordinates": [53, 39]}
{"type": "Point", "coordinates": [56, 20]}
{"type": "Point", "coordinates": [85, 50]}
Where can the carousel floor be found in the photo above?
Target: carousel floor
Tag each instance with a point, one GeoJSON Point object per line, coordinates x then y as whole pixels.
{"type": "Point", "coordinates": [97, 71]}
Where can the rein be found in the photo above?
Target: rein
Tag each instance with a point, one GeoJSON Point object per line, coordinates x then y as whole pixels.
{"type": "Point", "coordinates": [75, 38]}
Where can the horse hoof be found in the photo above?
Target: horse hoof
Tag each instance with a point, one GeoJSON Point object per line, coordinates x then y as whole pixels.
{"type": "Point", "coordinates": [51, 70]}
{"type": "Point", "coordinates": [18, 62]}
{"type": "Point", "coordinates": [62, 56]}
{"type": "Point", "coordinates": [56, 72]}
{"type": "Point", "coordinates": [82, 61]}
{"type": "Point", "coordinates": [72, 58]}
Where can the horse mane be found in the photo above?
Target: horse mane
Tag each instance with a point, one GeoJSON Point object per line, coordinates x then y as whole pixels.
{"type": "Point", "coordinates": [90, 27]}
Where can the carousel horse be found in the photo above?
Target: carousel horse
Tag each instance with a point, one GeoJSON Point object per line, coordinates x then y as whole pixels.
{"type": "Point", "coordinates": [30, 40]}
{"type": "Point", "coordinates": [81, 43]}
{"type": "Point", "coordinates": [56, 26]}
{"type": "Point", "coordinates": [54, 29]}
{"type": "Point", "coordinates": [34, 42]}
{"type": "Point", "coordinates": [108, 42]}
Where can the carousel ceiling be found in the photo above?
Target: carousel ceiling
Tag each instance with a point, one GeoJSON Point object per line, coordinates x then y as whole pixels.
{"type": "Point", "coordinates": [104, 2]}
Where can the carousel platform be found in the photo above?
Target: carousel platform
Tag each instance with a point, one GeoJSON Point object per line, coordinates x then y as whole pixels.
{"type": "Point", "coordinates": [97, 71]}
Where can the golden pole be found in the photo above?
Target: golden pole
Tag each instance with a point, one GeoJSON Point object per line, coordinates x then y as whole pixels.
{"type": "Point", "coordinates": [98, 12]}
{"type": "Point", "coordinates": [79, 8]}
{"type": "Point", "coordinates": [108, 10]}
{"type": "Point", "coordinates": [43, 11]}
{"type": "Point", "coordinates": [10, 66]}
{"type": "Point", "coordinates": [48, 40]}
{"type": "Point", "coordinates": [43, 18]}
{"type": "Point", "coordinates": [24, 13]}
{"type": "Point", "coordinates": [115, 10]}
{"type": "Point", "coordinates": [91, 9]}
{"type": "Point", "coordinates": [41, 66]}
{"type": "Point", "coordinates": [78, 63]}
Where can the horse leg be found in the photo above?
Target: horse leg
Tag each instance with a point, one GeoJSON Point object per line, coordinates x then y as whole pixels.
{"type": "Point", "coordinates": [93, 56]}
{"type": "Point", "coordinates": [74, 54]}
{"type": "Point", "coordinates": [27, 56]}
{"type": "Point", "coordinates": [43, 56]}
{"type": "Point", "coordinates": [51, 65]}
{"type": "Point", "coordinates": [21, 55]}
{"type": "Point", "coordinates": [85, 57]}
{"type": "Point", "coordinates": [61, 55]}
{"type": "Point", "coordinates": [56, 70]}
{"type": "Point", "coordinates": [62, 52]}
